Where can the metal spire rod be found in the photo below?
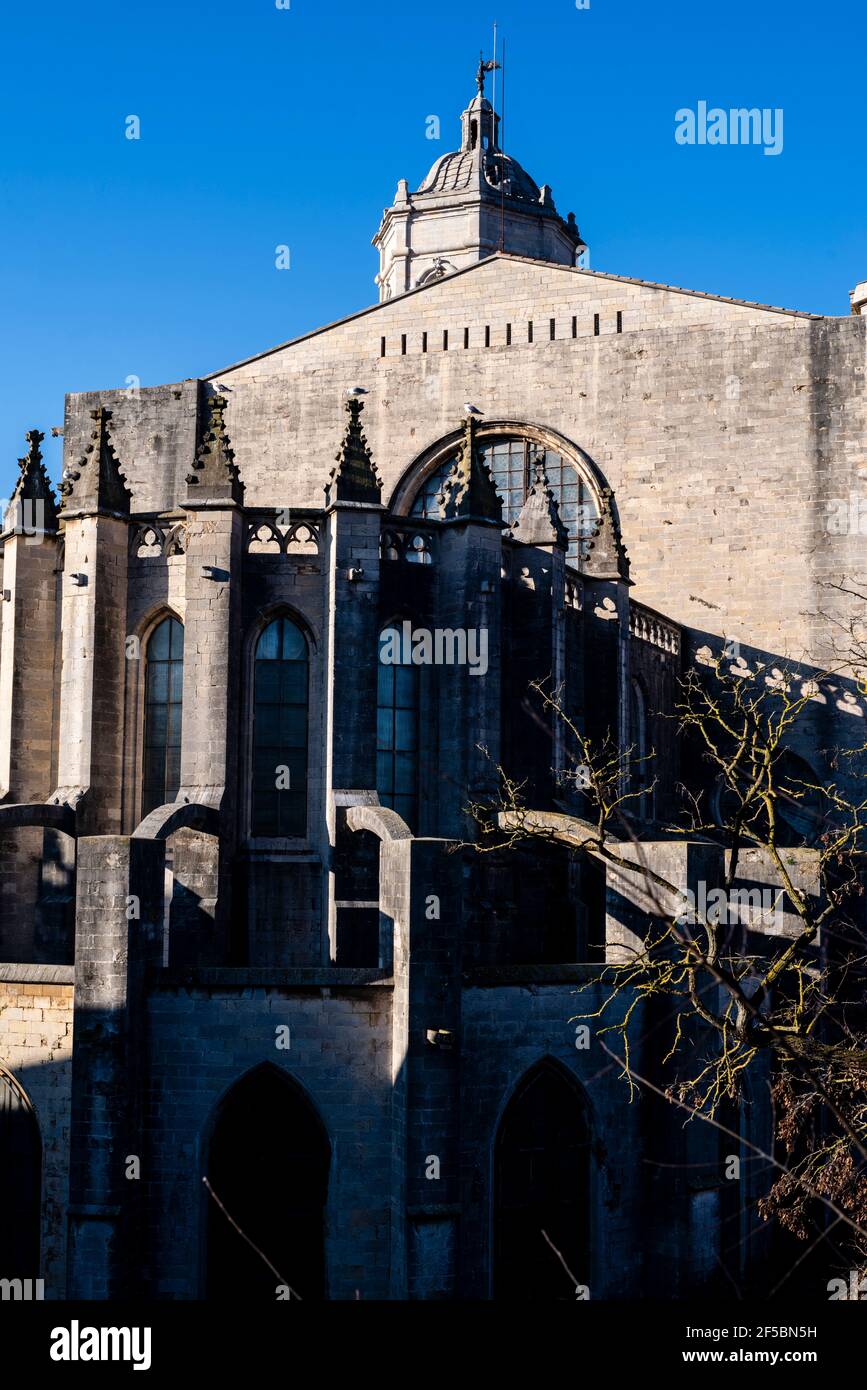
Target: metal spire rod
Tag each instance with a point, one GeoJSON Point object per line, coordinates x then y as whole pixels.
{"type": "Point", "coordinates": [503, 159]}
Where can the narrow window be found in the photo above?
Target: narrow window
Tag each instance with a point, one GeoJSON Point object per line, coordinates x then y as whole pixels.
{"type": "Point", "coordinates": [596, 325]}
{"type": "Point", "coordinates": [403, 345]}
{"type": "Point", "coordinates": [279, 790]}
{"type": "Point", "coordinates": [164, 685]}
{"type": "Point", "coordinates": [397, 726]}
{"type": "Point", "coordinates": [487, 335]}
{"type": "Point", "coordinates": [445, 340]}
{"type": "Point", "coordinates": [382, 347]}
{"type": "Point", "coordinates": [639, 779]}
{"type": "Point", "coordinates": [574, 325]}
{"type": "Point", "coordinates": [553, 328]}
{"type": "Point", "coordinates": [424, 342]}
{"type": "Point", "coordinates": [530, 331]}
{"type": "Point", "coordinates": [619, 321]}
{"type": "Point", "coordinates": [508, 335]}
{"type": "Point", "coordinates": [466, 338]}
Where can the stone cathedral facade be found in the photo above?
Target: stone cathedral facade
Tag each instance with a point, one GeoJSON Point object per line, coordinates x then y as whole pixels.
{"type": "Point", "coordinates": [244, 936]}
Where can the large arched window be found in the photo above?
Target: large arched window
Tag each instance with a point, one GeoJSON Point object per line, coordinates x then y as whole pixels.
{"type": "Point", "coordinates": [511, 463]}
{"type": "Point", "coordinates": [164, 686]}
{"type": "Point", "coordinates": [397, 701]}
{"type": "Point", "coordinates": [279, 792]}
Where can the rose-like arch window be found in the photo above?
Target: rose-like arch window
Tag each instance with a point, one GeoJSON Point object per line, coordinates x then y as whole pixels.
{"type": "Point", "coordinates": [510, 460]}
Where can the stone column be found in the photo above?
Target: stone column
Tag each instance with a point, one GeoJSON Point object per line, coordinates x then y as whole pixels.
{"type": "Point", "coordinates": [469, 602]}
{"type": "Point", "coordinates": [606, 631]}
{"type": "Point", "coordinates": [421, 904]}
{"type": "Point", "coordinates": [95, 517]}
{"type": "Point", "coordinates": [212, 676]}
{"type": "Point", "coordinates": [353, 559]}
{"type": "Point", "coordinates": [118, 936]}
{"type": "Point", "coordinates": [536, 640]}
{"type": "Point", "coordinates": [93, 672]}
{"type": "Point", "coordinates": [27, 677]}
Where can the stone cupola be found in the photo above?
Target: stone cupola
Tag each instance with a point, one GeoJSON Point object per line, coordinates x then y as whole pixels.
{"type": "Point", "coordinates": [474, 202]}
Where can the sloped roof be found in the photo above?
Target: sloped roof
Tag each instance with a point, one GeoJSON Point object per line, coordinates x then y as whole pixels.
{"type": "Point", "coordinates": [433, 286]}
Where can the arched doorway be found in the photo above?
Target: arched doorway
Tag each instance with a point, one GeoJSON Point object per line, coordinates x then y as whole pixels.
{"type": "Point", "coordinates": [542, 1171]}
{"type": "Point", "coordinates": [20, 1183]}
{"type": "Point", "coordinates": [268, 1162]}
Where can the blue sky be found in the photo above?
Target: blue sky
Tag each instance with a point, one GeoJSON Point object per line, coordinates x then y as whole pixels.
{"type": "Point", "coordinates": [263, 126]}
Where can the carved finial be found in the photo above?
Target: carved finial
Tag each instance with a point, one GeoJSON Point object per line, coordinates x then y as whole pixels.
{"type": "Point", "coordinates": [97, 485]}
{"type": "Point", "coordinates": [606, 556]}
{"type": "Point", "coordinates": [468, 493]}
{"type": "Point", "coordinates": [539, 522]}
{"type": "Point", "coordinates": [354, 477]}
{"type": "Point", "coordinates": [33, 458]}
{"type": "Point", "coordinates": [33, 506]}
{"type": "Point", "coordinates": [215, 476]}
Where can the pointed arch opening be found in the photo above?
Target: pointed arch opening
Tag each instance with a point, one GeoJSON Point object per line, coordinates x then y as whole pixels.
{"type": "Point", "coordinates": [163, 714]}
{"type": "Point", "coordinates": [397, 723]}
{"type": "Point", "coordinates": [20, 1182]}
{"type": "Point", "coordinates": [542, 1189]}
{"type": "Point", "coordinates": [281, 677]}
{"type": "Point", "coordinates": [268, 1161]}
{"type": "Point", "coordinates": [508, 448]}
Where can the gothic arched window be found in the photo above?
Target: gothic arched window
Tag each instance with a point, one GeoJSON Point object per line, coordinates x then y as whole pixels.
{"type": "Point", "coordinates": [542, 1184]}
{"type": "Point", "coordinates": [397, 704]}
{"type": "Point", "coordinates": [268, 1159]}
{"type": "Point", "coordinates": [164, 687]}
{"type": "Point", "coordinates": [279, 790]}
{"type": "Point", "coordinates": [511, 463]}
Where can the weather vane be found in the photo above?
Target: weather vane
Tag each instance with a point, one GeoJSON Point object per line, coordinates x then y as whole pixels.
{"type": "Point", "coordinates": [485, 67]}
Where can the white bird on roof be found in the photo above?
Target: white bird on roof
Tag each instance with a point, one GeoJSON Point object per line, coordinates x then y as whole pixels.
{"type": "Point", "coordinates": [470, 409]}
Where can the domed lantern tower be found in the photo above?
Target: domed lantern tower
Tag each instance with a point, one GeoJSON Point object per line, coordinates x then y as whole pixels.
{"type": "Point", "coordinates": [474, 202]}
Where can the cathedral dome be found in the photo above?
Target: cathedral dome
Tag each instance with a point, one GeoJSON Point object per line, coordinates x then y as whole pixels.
{"type": "Point", "coordinates": [475, 201]}
{"type": "Point", "coordinates": [451, 173]}
{"type": "Point", "coordinates": [461, 169]}
{"type": "Point", "coordinates": [480, 164]}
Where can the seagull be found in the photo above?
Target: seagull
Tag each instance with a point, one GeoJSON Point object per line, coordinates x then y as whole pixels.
{"type": "Point", "coordinates": [356, 391]}
{"type": "Point", "coordinates": [470, 409]}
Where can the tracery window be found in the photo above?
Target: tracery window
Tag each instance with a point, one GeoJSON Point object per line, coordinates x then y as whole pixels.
{"type": "Point", "coordinates": [280, 710]}
{"type": "Point", "coordinates": [510, 461]}
{"type": "Point", "coordinates": [397, 710]}
{"type": "Point", "coordinates": [164, 685]}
